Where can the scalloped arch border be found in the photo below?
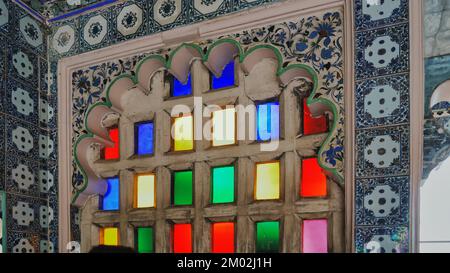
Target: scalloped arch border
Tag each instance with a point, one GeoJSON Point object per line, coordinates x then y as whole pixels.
{"type": "Point", "coordinates": [148, 66]}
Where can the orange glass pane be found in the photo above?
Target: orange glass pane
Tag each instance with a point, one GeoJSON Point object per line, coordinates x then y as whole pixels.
{"type": "Point", "coordinates": [312, 125]}
{"type": "Point", "coordinates": [314, 181]}
{"type": "Point", "coordinates": [113, 152]}
{"type": "Point", "coordinates": [182, 238]}
{"type": "Point", "coordinates": [223, 237]}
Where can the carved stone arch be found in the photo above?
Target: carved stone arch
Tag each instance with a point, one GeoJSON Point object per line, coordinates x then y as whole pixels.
{"type": "Point", "coordinates": [178, 64]}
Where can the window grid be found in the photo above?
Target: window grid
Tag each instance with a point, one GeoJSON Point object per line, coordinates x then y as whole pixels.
{"type": "Point", "coordinates": [289, 209]}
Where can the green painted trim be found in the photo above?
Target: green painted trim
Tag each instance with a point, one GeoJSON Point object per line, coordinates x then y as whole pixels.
{"type": "Point", "coordinates": [141, 62]}
{"type": "Point", "coordinates": [311, 100]}
{"type": "Point", "coordinates": [172, 54]}
{"type": "Point", "coordinates": [4, 210]}
{"type": "Point", "coordinates": [223, 41]}
{"type": "Point", "coordinates": [111, 84]}
{"type": "Point", "coordinates": [88, 112]}
{"type": "Point", "coordinates": [77, 161]}
{"type": "Point", "coordinates": [264, 46]}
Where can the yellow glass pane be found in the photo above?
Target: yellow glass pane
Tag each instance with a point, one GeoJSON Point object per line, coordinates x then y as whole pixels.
{"type": "Point", "coordinates": [183, 133]}
{"type": "Point", "coordinates": [145, 191]}
{"type": "Point", "coordinates": [224, 126]}
{"type": "Point", "coordinates": [110, 236]}
{"type": "Point", "coordinates": [267, 181]}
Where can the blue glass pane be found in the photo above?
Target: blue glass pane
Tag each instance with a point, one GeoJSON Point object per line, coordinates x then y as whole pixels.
{"type": "Point", "coordinates": [145, 138]}
{"type": "Point", "coordinates": [227, 78]}
{"type": "Point", "coordinates": [179, 89]}
{"type": "Point", "coordinates": [111, 198]}
{"type": "Point", "coordinates": [268, 121]}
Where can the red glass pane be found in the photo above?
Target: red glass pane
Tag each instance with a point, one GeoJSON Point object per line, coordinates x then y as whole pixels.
{"type": "Point", "coordinates": [182, 238]}
{"type": "Point", "coordinates": [313, 125]}
{"type": "Point", "coordinates": [222, 238]}
{"type": "Point", "coordinates": [113, 152]}
{"type": "Point", "coordinates": [314, 181]}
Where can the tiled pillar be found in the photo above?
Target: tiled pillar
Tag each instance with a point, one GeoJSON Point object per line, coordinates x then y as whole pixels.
{"type": "Point", "coordinates": [382, 137]}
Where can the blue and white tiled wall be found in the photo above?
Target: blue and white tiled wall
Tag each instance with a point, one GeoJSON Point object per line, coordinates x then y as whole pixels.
{"type": "Point", "coordinates": [382, 163]}
{"type": "Point", "coordinates": [27, 144]}
{"type": "Point", "coordinates": [28, 110]}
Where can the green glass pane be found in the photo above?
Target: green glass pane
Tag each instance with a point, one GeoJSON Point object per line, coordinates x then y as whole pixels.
{"type": "Point", "coordinates": [268, 237]}
{"type": "Point", "coordinates": [182, 188]}
{"type": "Point", "coordinates": [145, 241]}
{"type": "Point", "coordinates": [222, 185]}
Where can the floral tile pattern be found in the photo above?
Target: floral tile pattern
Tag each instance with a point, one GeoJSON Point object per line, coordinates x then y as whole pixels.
{"type": "Point", "coordinates": [382, 51]}
{"type": "Point", "coordinates": [382, 196]}
{"type": "Point", "coordinates": [386, 12]}
{"type": "Point", "coordinates": [382, 201]}
{"type": "Point", "coordinates": [382, 101]}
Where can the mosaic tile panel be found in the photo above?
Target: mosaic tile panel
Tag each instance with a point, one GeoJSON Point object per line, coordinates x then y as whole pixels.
{"type": "Point", "coordinates": [382, 201]}
{"type": "Point", "coordinates": [382, 101]}
{"type": "Point", "coordinates": [23, 53]}
{"type": "Point", "coordinates": [382, 105]}
{"type": "Point", "coordinates": [382, 51]}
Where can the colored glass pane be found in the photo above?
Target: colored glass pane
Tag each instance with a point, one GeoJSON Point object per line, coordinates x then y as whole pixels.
{"type": "Point", "coordinates": [314, 181]}
{"type": "Point", "coordinates": [222, 185]}
{"type": "Point", "coordinates": [144, 141]}
{"type": "Point", "coordinates": [182, 188]}
{"type": "Point", "coordinates": [183, 133]}
{"type": "Point", "coordinates": [315, 236]}
{"type": "Point", "coordinates": [182, 238]}
{"type": "Point", "coordinates": [268, 237]}
{"type": "Point", "coordinates": [109, 236]}
{"type": "Point", "coordinates": [313, 125]}
{"type": "Point", "coordinates": [268, 121]}
{"type": "Point", "coordinates": [224, 127]}
{"type": "Point", "coordinates": [267, 181]}
{"type": "Point", "coordinates": [223, 237]}
{"type": "Point", "coordinates": [110, 200]}
{"type": "Point", "coordinates": [180, 89]}
{"type": "Point", "coordinates": [145, 191]}
{"type": "Point", "coordinates": [145, 240]}
{"type": "Point", "coordinates": [227, 79]}
{"type": "Point", "coordinates": [111, 153]}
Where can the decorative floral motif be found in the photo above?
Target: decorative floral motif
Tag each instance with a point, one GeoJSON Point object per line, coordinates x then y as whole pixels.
{"type": "Point", "coordinates": [167, 8]}
{"type": "Point", "coordinates": [63, 39]}
{"type": "Point", "coordinates": [208, 2]}
{"type": "Point", "coordinates": [32, 32]}
{"type": "Point", "coordinates": [95, 29]}
{"type": "Point", "coordinates": [130, 19]}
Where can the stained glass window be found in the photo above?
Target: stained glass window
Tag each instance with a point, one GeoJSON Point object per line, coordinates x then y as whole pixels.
{"type": "Point", "coordinates": [268, 121]}
{"type": "Point", "coordinates": [222, 188]}
{"type": "Point", "coordinates": [182, 188]}
{"type": "Point", "coordinates": [109, 236]}
{"type": "Point", "coordinates": [145, 240]}
{"type": "Point", "coordinates": [226, 80]}
{"type": "Point", "coordinates": [183, 133]}
{"type": "Point", "coordinates": [112, 153]}
{"type": "Point", "coordinates": [268, 237]}
{"type": "Point", "coordinates": [223, 237]}
{"type": "Point", "coordinates": [179, 89]}
{"type": "Point", "coordinates": [144, 143]}
{"type": "Point", "coordinates": [224, 127]}
{"type": "Point", "coordinates": [110, 200]}
{"type": "Point", "coordinates": [267, 184]}
{"type": "Point", "coordinates": [314, 181]}
{"type": "Point", "coordinates": [312, 125]}
{"type": "Point", "coordinates": [144, 191]}
{"type": "Point", "coordinates": [182, 238]}
{"type": "Point", "coordinates": [315, 236]}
